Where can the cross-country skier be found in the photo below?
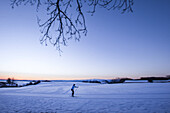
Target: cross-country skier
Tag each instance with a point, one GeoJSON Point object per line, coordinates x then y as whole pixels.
{"type": "Point", "coordinates": [72, 89]}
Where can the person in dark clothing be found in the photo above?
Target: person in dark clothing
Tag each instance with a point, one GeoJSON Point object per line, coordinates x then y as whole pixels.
{"type": "Point", "coordinates": [72, 89]}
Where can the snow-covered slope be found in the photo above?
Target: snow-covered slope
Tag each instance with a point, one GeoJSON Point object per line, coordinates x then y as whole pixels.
{"type": "Point", "coordinates": [89, 98]}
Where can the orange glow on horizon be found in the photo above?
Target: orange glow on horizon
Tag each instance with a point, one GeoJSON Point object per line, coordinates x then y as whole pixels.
{"type": "Point", "coordinates": [5, 78]}
{"type": "Point", "coordinates": [26, 76]}
{"type": "Point", "coordinates": [17, 76]}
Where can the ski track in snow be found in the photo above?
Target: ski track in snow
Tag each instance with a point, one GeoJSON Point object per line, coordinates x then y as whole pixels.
{"type": "Point", "coordinates": [55, 97]}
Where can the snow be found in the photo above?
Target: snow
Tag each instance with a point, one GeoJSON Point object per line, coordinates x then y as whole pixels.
{"type": "Point", "coordinates": [21, 83]}
{"type": "Point", "coordinates": [136, 81]}
{"type": "Point", "coordinates": [89, 98]}
{"type": "Point", "coordinates": [160, 81]}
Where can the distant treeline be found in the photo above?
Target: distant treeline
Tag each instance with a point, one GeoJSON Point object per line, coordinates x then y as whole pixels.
{"type": "Point", "coordinates": [110, 81]}
{"type": "Point", "coordinates": [31, 83]}
{"type": "Point", "coordinates": [122, 80]}
{"type": "Point", "coordinates": [11, 83]}
{"type": "Point", "coordinates": [150, 79]}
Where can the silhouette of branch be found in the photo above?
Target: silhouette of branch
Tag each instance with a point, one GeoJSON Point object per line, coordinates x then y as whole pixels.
{"type": "Point", "coordinates": [59, 27]}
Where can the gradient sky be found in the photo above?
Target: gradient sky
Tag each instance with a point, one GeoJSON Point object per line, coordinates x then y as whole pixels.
{"type": "Point", "coordinates": [117, 45]}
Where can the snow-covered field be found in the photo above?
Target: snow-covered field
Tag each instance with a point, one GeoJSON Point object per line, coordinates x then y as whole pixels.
{"type": "Point", "coordinates": [56, 97]}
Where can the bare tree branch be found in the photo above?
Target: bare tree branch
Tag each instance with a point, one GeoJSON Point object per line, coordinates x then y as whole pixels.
{"type": "Point", "coordinates": [60, 26]}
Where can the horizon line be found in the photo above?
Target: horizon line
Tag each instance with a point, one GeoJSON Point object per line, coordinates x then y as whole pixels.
{"type": "Point", "coordinates": [80, 78]}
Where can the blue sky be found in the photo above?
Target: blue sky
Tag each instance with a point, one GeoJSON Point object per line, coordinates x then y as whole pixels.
{"type": "Point", "coordinates": [117, 45]}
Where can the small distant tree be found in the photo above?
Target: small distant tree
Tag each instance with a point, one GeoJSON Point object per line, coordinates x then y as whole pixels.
{"type": "Point", "coordinates": [9, 80]}
{"type": "Point", "coordinates": [13, 81]}
{"type": "Point", "coordinates": [168, 76]}
{"type": "Point", "coordinates": [65, 18]}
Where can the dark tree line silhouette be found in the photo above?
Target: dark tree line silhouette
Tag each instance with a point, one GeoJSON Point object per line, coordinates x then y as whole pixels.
{"type": "Point", "coordinates": [65, 18]}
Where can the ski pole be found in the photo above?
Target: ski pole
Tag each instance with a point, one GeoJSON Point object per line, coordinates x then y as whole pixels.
{"type": "Point", "coordinates": [66, 91]}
